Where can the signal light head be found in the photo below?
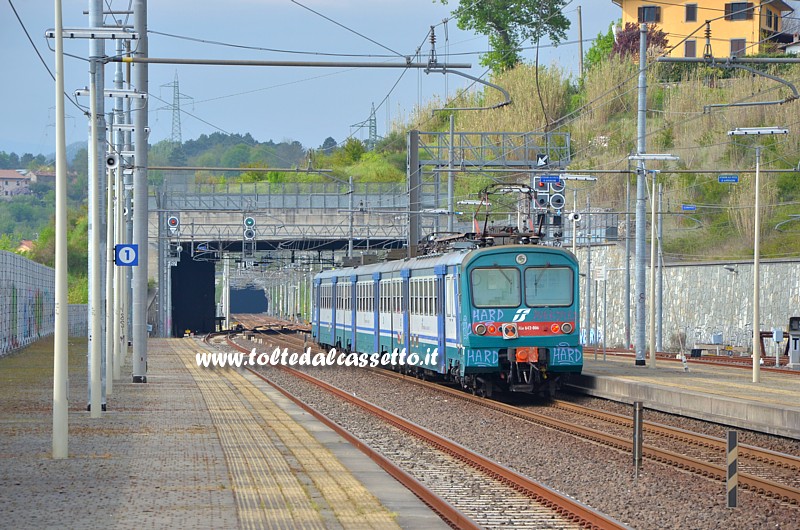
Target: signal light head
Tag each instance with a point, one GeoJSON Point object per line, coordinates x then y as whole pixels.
{"type": "Point", "coordinates": [249, 222]}
{"type": "Point", "coordinates": [173, 222]}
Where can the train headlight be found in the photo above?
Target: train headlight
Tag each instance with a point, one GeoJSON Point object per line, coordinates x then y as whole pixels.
{"type": "Point", "coordinates": [480, 329]}
{"type": "Point", "coordinates": [566, 327]}
{"type": "Point", "coordinates": [555, 328]}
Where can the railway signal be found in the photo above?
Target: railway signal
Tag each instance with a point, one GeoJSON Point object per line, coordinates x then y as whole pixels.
{"type": "Point", "coordinates": [542, 192]}
{"type": "Point", "coordinates": [249, 233]}
{"type": "Point", "coordinates": [549, 191]}
{"type": "Point", "coordinates": [173, 223]}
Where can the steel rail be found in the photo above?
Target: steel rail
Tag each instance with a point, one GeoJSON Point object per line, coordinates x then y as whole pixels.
{"type": "Point", "coordinates": [561, 504]}
{"type": "Point", "coordinates": [445, 510]}
{"type": "Point", "coordinates": [749, 451]}
{"type": "Point", "coordinates": [747, 481]}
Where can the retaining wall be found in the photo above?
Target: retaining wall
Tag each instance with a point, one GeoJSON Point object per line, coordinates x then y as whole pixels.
{"type": "Point", "coordinates": [27, 303]}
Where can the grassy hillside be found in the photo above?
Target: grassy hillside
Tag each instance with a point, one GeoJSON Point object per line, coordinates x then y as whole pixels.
{"type": "Point", "coordinates": [600, 115]}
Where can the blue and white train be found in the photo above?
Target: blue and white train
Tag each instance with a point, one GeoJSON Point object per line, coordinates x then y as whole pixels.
{"type": "Point", "coordinates": [499, 318]}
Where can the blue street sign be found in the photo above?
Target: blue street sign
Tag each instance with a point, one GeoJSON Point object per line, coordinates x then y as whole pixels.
{"type": "Point", "coordinates": [550, 179]}
{"type": "Point", "coordinates": [688, 207]}
{"type": "Point", "coordinates": [126, 255]}
{"type": "Point", "coordinates": [733, 179]}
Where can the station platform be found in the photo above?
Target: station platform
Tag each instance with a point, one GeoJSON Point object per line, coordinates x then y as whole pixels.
{"type": "Point", "coordinates": [191, 448]}
{"type": "Point", "coordinates": [716, 393]}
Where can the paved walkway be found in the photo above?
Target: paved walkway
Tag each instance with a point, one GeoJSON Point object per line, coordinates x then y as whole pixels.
{"type": "Point", "coordinates": [723, 394]}
{"type": "Point", "coordinates": [153, 461]}
{"type": "Point", "coordinates": [192, 448]}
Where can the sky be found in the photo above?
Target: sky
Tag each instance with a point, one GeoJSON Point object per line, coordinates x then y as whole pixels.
{"type": "Point", "coordinates": [306, 105]}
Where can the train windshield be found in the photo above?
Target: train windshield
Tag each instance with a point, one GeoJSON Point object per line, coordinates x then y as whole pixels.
{"type": "Point", "coordinates": [496, 287]}
{"type": "Point", "coordinates": [548, 286]}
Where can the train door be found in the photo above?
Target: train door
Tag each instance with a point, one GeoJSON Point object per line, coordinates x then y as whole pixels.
{"type": "Point", "coordinates": [353, 311]}
{"type": "Point", "coordinates": [334, 308]}
{"type": "Point", "coordinates": [450, 321]}
{"type": "Point", "coordinates": [376, 309]}
{"type": "Point", "coordinates": [397, 314]}
{"type": "Point", "coordinates": [316, 327]}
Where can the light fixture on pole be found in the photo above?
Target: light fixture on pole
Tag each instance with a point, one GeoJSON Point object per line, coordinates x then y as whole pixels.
{"type": "Point", "coordinates": [640, 273]}
{"type": "Point", "coordinates": [757, 131]}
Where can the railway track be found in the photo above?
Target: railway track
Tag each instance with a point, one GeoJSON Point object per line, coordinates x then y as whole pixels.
{"type": "Point", "coordinates": [467, 489]}
{"type": "Point", "coordinates": [764, 472]}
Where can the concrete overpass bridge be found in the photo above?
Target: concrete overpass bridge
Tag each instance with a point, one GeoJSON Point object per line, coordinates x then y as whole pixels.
{"type": "Point", "coordinates": [313, 224]}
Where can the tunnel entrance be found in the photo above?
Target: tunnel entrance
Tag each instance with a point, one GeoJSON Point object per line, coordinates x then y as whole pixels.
{"type": "Point", "coordinates": [249, 300]}
{"type": "Point", "coordinates": [193, 304]}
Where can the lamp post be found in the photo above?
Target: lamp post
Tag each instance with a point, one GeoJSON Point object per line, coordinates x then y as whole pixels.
{"type": "Point", "coordinates": [640, 257]}
{"type": "Point", "coordinates": [757, 131]}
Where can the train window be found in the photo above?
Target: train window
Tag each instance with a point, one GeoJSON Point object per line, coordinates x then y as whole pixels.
{"type": "Point", "coordinates": [429, 296]}
{"type": "Point", "coordinates": [495, 287]}
{"type": "Point", "coordinates": [548, 286]}
{"type": "Point", "coordinates": [448, 296]}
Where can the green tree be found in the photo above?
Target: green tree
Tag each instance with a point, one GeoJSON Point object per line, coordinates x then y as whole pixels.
{"type": "Point", "coordinates": [509, 23]}
{"type": "Point", "coordinates": [328, 145]}
{"type": "Point", "coordinates": [601, 49]}
{"type": "Point", "coordinates": [353, 150]}
{"type": "Point", "coordinates": [237, 156]}
{"type": "Point", "coordinates": [8, 243]}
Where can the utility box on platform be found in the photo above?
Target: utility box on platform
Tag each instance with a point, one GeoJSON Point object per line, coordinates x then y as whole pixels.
{"type": "Point", "coordinates": [794, 343]}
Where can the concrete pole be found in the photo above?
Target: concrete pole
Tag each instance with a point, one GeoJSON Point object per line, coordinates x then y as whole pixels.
{"type": "Point", "coordinates": [60, 339]}
{"type": "Point", "coordinates": [95, 313]}
{"type": "Point", "coordinates": [226, 289]}
{"type": "Point", "coordinates": [414, 184]}
{"type": "Point", "coordinates": [588, 306]}
{"type": "Point", "coordinates": [119, 282]}
{"type": "Point", "coordinates": [641, 201]}
{"type": "Point", "coordinates": [109, 299]}
{"type": "Point", "coordinates": [660, 276]}
{"type": "Point", "coordinates": [628, 261]}
{"type": "Point", "coordinates": [574, 222]}
{"type": "Point", "coordinates": [756, 275]}
{"type": "Point", "coordinates": [451, 177]}
{"type": "Point", "coordinates": [140, 81]}
{"type": "Point", "coordinates": [652, 322]}
{"type": "Point", "coordinates": [119, 273]}
{"type": "Point", "coordinates": [127, 190]}
{"type": "Point", "coordinates": [580, 43]}
{"type": "Point", "coordinates": [163, 266]}
{"type": "Point", "coordinates": [352, 213]}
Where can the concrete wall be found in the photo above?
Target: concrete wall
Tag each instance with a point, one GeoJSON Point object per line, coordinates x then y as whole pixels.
{"type": "Point", "coordinates": [699, 299]}
{"type": "Point", "coordinates": [27, 303]}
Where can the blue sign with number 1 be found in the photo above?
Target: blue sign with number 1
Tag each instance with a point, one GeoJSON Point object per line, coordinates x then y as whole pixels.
{"type": "Point", "coordinates": [126, 255]}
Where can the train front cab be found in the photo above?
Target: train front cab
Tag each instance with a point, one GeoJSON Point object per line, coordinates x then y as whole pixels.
{"type": "Point", "coordinates": [521, 323]}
